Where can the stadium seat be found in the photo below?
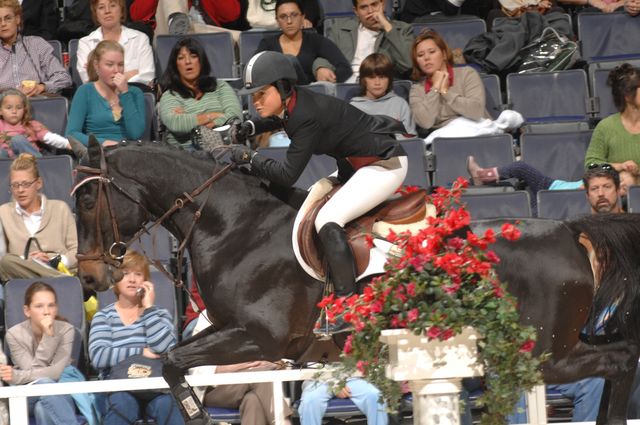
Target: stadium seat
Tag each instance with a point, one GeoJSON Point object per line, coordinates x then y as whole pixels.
{"type": "Point", "coordinates": [346, 91]}
{"type": "Point", "coordinates": [562, 204]}
{"type": "Point", "coordinates": [319, 166]}
{"type": "Point", "coordinates": [248, 44]}
{"type": "Point", "coordinates": [56, 171]}
{"type": "Point", "coordinates": [493, 94]}
{"type": "Point", "coordinates": [57, 49]}
{"type": "Point", "coordinates": [218, 45]}
{"type": "Point", "coordinates": [52, 112]}
{"type": "Point", "coordinates": [600, 92]}
{"type": "Point", "coordinates": [633, 199]}
{"type": "Point", "coordinates": [608, 36]}
{"type": "Point", "coordinates": [402, 88]}
{"type": "Point", "coordinates": [498, 205]}
{"type": "Point", "coordinates": [150, 130]}
{"type": "Point", "coordinates": [557, 155]}
{"type": "Point", "coordinates": [417, 173]}
{"type": "Point", "coordinates": [73, 62]}
{"type": "Point", "coordinates": [155, 245]}
{"type": "Point", "coordinates": [545, 97]}
{"type": "Point", "coordinates": [451, 155]}
{"type": "Point", "coordinates": [456, 32]}
{"type": "Point", "coordinates": [70, 305]}
{"type": "Point", "coordinates": [165, 295]}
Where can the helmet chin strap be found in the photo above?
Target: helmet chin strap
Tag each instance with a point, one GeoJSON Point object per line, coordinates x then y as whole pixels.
{"type": "Point", "coordinates": [283, 98]}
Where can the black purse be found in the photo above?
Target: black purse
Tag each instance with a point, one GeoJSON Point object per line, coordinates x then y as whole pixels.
{"type": "Point", "coordinates": [53, 262]}
{"type": "Point", "coordinates": [138, 366]}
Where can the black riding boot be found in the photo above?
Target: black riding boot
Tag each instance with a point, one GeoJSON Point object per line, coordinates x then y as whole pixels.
{"type": "Point", "coordinates": [341, 269]}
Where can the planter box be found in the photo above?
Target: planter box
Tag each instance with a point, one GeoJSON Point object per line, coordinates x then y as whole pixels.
{"type": "Point", "coordinates": [413, 357]}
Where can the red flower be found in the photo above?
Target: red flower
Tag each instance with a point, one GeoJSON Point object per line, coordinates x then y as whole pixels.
{"type": "Point", "coordinates": [490, 236]}
{"type": "Point", "coordinates": [492, 257]}
{"type": "Point", "coordinates": [361, 365]}
{"type": "Point", "coordinates": [368, 240]}
{"type": "Point", "coordinates": [447, 334]}
{"type": "Point", "coordinates": [411, 289]}
{"type": "Point", "coordinates": [510, 232]}
{"type": "Point", "coordinates": [433, 332]}
{"type": "Point", "coordinates": [326, 301]}
{"type": "Point", "coordinates": [528, 346]}
{"type": "Point", "coordinates": [413, 315]}
{"type": "Point", "coordinates": [347, 345]}
{"type": "Point", "coordinates": [455, 243]}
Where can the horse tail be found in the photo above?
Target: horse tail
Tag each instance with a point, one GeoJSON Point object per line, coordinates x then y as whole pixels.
{"type": "Point", "coordinates": [616, 241]}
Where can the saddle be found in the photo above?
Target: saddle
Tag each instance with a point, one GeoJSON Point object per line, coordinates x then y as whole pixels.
{"type": "Point", "coordinates": [408, 209]}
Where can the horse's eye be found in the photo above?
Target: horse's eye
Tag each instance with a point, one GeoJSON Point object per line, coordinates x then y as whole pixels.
{"type": "Point", "coordinates": [88, 202]}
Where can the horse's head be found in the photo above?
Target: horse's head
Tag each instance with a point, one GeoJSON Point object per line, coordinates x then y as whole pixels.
{"type": "Point", "coordinates": [107, 217]}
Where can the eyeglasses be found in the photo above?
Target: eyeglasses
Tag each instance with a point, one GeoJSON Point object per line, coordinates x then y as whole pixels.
{"type": "Point", "coordinates": [603, 166]}
{"type": "Point", "coordinates": [7, 19]}
{"type": "Point", "coordinates": [24, 185]}
{"type": "Point", "coordinates": [292, 16]}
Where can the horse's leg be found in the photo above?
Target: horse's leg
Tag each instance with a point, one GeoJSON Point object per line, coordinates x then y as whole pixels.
{"type": "Point", "coordinates": [226, 346]}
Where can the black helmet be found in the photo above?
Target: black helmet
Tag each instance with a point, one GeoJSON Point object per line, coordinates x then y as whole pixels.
{"type": "Point", "coordinates": [267, 68]}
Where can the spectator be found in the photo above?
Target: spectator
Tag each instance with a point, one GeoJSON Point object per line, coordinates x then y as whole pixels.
{"type": "Point", "coordinates": [515, 8]}
{"type": "Point", "coordinates": [40, 348]}
{"type": "Point", "coordinates": [255, 401]}
{"type": "Point", "coordinates": [138, 55]}
{"type": "Point", "coordinates": [192, 97]}
{"type": "Point", "coordinates": [316, 396]}
{"type": "Point", "coordinates": [602, 194]}
{"type": "Point", "coordinates": [133, 325]}
{"type": "Point", "coordinates": [305, 46]}
{"type": "Point", "coordinates": [370, 31]}
{"type": "Point", "coordinates": [40, 18]}
{"type": "Point", "coordinates": [20, 132]}
{"type": "Point", "coordinates": [108, 107]}
{"type": "Point", "coordinates": [27, 63]}
{"type": "Point", "coordinates": [616, 139]}
{"type": "Point", "coordinates": [414, 9]}
{"type": "Point", "coordinates": [441, 92]}
{"type": "Point", "coordinates": [632, 7]}
{"type": "Point", "coordinates": [30, 215]}
{"type": "Point", "coordinates": [377, 96]}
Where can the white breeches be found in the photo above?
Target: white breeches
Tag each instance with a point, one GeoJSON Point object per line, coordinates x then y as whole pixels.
{"type": "Point", "coordinates": [366, 189]}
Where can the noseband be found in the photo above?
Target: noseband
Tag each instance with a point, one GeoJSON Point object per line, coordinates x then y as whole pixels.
{"type": "Point", "coordinates": [114, 255]}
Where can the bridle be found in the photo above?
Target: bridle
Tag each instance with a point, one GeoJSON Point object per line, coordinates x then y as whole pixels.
{"type": "Point", "coordinates": [106, 184]}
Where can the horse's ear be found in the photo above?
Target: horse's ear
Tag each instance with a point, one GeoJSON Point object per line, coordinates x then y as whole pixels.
{"type": "Point", "coordinates": [94, 152]}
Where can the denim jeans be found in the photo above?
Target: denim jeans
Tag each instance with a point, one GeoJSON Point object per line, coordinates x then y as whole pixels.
{"type": "Point", "coordinates": [20, 144]}
{"type": "Point", "coordinates": [316, 396]}
{"type": "Point", "coordinates": [123, 408]}
{"type": "Point", "coordinates": [52, 409]}
{"type": "Point", "coordinates": [585, 394]}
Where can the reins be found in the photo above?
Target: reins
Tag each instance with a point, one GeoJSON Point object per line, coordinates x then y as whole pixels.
{"type": "Point", "coordinates": [111, 257]}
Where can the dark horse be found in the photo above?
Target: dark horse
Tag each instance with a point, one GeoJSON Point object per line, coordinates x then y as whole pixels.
{"type": "Point", "coordinates": [263, 304]}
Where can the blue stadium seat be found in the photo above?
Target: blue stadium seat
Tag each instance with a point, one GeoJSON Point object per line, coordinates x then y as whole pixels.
{"type": "Point", "coordinates": [544, 97]}
{"type": "Point", "coordinates": [319, 166]}
{"type": "Point", "coordinates": [451, 155]}
{"type": "Point", "coordinates": [165, 295]}
{"type": "Point", "coordinates": [346, 91]}
{"type": "Point", "coordinates": [456, 32]}
{"type": "Point", "coordinates": [73, 62]}
{"type": "Point", "coordinates": [608, 36]}
{"type": "Point", "coordinates": [56, 171]}
{"type": "Point", "coordinates": [497, 205]}
{"type": "Point", "coordinates": [402, 88]}
{"type": "Point", "coordinates": [248, 44]}
{"type": "Point", "coordinates": [70, 306]}
{"type": "Point", "coordinates": [151, 118]}
{"type": "Point", "coordinates": [602, 93]}
{"type": "Point", "coordinates": [52, 112]}
{"type": "Point", "coordinates": [493, 94]}
{"type": "Point", "coordinates": [156, 245]}
{"type": "Point", "coordinates": [633, 199]}
{"type": "Point", "coordinates": [218, 45]}
{"type": "Point", "coordinates": [57, 49]}
{"type": "Point", "coordinates": [558, 155]}
{"type": "Point", "coordinates": [562, 204]}
{"type": "Point", "coordinates": [417, 173]}
{"type": "Point", "coordinates": [222, 414]}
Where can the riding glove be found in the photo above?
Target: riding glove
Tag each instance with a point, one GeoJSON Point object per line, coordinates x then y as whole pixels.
{"type": "Point", "coordinates": [241, 154]}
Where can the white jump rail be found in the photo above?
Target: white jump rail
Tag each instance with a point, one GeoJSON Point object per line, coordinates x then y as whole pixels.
{"type": "Point", "coordinates": [17, 395]}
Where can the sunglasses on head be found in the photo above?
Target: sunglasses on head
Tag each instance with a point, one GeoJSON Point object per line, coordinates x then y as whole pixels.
{"type": "Point", "coordinates": [603, 166]}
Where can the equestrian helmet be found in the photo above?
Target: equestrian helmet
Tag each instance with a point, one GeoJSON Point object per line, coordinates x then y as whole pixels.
{"type": "Point", "coordinates": [267, 68]}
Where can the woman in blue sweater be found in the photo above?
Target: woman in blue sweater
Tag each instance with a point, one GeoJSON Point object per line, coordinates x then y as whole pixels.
{"type": "Point", "coordinates": [131, 326]}
{"type": "Point", "coordinates": [106, 107]}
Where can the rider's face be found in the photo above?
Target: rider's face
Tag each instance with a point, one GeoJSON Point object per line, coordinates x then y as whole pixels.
{"type": "Point", "coordinates": [267, 101]}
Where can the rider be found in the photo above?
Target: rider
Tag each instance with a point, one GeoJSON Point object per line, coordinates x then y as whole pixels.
{"type": "Point", "coordinates": [371, 163]}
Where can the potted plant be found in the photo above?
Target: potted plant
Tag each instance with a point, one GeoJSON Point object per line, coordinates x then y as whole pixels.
{"type": "Point", "coordinates": [440, 281]}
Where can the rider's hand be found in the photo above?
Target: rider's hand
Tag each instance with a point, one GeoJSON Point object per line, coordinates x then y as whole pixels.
{"type": "Point", "coordinates": [241, 154]}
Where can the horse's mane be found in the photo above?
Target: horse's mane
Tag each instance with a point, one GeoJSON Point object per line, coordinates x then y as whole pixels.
{"type": "Point", "coordinates": [615, 238]}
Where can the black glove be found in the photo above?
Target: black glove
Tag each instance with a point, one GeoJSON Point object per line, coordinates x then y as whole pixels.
{"type": "Point", "coordinates": [240, 154]}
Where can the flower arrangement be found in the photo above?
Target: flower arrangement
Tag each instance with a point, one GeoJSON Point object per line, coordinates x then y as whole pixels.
{"type": "Point", "coordinates": [440, 281]}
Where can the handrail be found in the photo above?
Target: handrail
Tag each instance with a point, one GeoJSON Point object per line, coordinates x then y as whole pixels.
{"type": "Point", "coordinates": [18, 394]}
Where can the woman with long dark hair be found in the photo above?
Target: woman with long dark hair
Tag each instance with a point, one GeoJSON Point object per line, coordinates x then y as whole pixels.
{"type": "Point", "coordinates": [192, 96]}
